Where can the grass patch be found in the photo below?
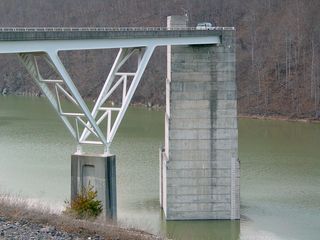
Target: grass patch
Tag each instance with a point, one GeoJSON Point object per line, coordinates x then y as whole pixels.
{"type": "Point", "coordinates": [85, 205]}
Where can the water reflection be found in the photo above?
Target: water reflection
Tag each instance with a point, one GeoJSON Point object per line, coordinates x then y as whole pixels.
{"type": "Point", "coordinates": [213, 229]}
{"type": "Point", "coordinates": [280, 172]}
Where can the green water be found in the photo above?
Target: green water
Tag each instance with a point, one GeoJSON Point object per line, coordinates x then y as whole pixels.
{"type": "Point", "coordinates": [280, 172]}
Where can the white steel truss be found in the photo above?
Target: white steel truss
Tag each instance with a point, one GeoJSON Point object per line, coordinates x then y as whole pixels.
{"type": "Point", "coordinates": [83, 124]}
{"type": "Point", "coordinates": [86, 125]}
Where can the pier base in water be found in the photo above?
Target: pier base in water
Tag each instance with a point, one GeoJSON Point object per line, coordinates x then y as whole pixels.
{"type": "Point", "coordinates": [98, 171]}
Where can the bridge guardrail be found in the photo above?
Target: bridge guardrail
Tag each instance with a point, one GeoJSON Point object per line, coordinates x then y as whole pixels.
{"type": "Point", "coordinates": [104, 29]}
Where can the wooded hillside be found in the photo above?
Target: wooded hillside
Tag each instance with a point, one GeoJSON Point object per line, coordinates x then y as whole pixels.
{"type": "Point", "coordinates": [278, 48]}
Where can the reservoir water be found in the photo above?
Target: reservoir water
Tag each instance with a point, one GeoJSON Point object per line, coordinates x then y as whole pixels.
{"type": "Point", "coordinates": [280, 172]}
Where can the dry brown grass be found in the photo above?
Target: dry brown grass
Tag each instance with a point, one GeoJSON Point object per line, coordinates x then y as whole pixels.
{"type": "Point", "coordinates": [17, 209]}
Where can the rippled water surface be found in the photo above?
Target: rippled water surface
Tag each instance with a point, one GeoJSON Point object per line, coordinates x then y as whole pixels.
{"type": "Point", "coordinates": [280, 172]}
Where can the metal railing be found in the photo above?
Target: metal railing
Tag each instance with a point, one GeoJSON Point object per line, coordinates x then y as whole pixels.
{"type": "Point", "coordinates": [105, 29]}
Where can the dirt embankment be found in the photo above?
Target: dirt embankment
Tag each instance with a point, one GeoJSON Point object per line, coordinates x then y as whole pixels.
{"type": "Point", "coordinates": [20, 222]}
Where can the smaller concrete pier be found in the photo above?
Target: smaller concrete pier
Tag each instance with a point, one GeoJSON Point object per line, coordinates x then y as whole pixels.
{"type": "Point", "coordinates": [100, 172]}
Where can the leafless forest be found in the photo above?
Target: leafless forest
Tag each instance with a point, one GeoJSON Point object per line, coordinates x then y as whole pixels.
{"type": "Point", "coordinates": [278, 47]}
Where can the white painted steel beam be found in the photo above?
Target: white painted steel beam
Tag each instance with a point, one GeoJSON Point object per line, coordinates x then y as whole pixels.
{"type": "Point", "coordinates": [108, 89]}
{"type": "Point", "coordinates": [88, 123]}
{"type": "Point", "coordinates": [29, 62]}
{"type": "Point", "coordinates": [142, 66]}
{"type": "Point", "coordinates": [84, 117]}
{"type": "Point", "coordinates": [68, 81]}
{"type": "Point", "coordinates": [122, 57]}
{"type": "Point", "coordinates": [67, 45]}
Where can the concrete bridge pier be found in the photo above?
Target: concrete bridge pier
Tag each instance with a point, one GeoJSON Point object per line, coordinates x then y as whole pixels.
{"type": "Point", "coordinates": [199, 167]}
{"type": "Point", "coordinates": [98, 171]}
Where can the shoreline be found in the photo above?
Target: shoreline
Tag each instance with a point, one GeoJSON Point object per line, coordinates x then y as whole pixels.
{"type": "Point", "coordinates": [279, 118]}
{"type": "Point", "coordinates": [160, 107]}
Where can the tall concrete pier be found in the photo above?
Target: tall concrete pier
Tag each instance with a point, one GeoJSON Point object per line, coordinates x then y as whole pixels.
{"type": "Point", "coordinates": [199, 167]}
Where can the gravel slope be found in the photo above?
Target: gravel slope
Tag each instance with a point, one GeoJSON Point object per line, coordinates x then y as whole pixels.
{"type": "Point", "coordinates": [20, 222]}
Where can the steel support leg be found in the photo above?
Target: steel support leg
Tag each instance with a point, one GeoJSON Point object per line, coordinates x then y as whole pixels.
{"type": "Point", "coordinates": [68, 81]}
{"type": "Point", "coordinates": [29, 62]}
{"type": "Point", "coordinates": [142, 66]}
{"type": "Point", "coordinates": [86, 119]}
{"type": "Point", "coordinates": [122, 57]}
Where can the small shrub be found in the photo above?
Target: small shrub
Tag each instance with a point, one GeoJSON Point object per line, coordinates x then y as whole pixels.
{"type": "Point", "coordinates": [84, 205]}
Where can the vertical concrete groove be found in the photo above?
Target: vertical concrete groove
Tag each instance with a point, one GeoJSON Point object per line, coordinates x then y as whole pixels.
{"type": "Point", "coordinates": [233, 189]}
{"type": "Point", "coordinates": [213, 110]}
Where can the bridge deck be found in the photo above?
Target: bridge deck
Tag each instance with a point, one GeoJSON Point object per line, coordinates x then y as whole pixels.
{"type": "Point", "coordinates": [38, 34]}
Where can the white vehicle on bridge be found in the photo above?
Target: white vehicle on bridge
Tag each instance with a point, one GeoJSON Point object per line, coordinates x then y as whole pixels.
{"type": "Point", "coordinates": [204, 26]}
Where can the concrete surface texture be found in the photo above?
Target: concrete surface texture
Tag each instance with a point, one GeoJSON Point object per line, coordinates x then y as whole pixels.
{"type": "Point", "coordinates": [100, 172]}
{"type": "Point", "coordinates": [200, 170]}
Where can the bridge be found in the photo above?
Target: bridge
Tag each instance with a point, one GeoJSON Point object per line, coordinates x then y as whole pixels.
{"type": "Point", "coordinates": [201, 126]}
{"type": "Point", "coordinates": [33, 43]}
